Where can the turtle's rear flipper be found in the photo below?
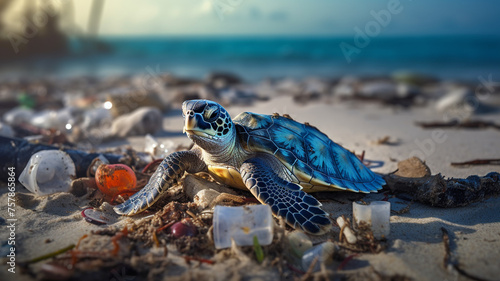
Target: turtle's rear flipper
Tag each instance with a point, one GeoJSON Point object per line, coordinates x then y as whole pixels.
{"type": "Point", "coordinates": [170, 170]}
{"type": "Point", "coordinates": [286, 199]}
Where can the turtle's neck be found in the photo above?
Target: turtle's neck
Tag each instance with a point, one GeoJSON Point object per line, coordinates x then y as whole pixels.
{"type": "Point", "coordinates": [227, 152]}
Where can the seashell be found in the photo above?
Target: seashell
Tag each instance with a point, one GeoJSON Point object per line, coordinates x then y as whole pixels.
{"type": "Point", "coordinates": [93, 216]}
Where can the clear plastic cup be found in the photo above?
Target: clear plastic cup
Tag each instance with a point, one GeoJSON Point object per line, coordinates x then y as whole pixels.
{"type": "Point", "coordinates": [47, 172]}
{"type": "Point", "coordinates": [381, 214]}
{"type": "Point", "coordinates": [376, 215]}
{"type": "Point", "coordinates": [361, 213]}
{"type": "Point", "coordinates": [242, 224]}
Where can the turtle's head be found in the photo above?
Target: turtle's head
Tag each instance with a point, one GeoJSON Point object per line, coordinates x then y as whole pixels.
{"type": "Point", "coordinates": [208, 124]}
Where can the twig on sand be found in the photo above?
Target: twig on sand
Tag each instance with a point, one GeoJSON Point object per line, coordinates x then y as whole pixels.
{"type": "Point", "coordinates": [446, 193]}
{"type": "Point", "coordinates": [470, 124]}
{"type": "Point", "coordinates": [386, 140]}
{"type": "Point", "coordinates": [450, 258]}
{"type": "Point", "coordinates": [477, 162]}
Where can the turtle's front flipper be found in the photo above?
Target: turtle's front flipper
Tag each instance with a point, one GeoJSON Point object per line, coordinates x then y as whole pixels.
{"type": "Point", "coordinates": [261, 176]}
{"type": "Point", "coordinates": [170, 170]}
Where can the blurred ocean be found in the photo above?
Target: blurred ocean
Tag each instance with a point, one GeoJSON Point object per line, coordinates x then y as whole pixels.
{"type": "Point", "coordinates": [253, 59]}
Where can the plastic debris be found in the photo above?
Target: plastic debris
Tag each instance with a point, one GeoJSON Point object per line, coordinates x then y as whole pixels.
{"type": "Point", "coordinates": [26, 100]}
{"type": "Point", "coordinates": [458, 103]}
{"type": "Point", "coordinates": [18, 116]}
{"type": "Point", "coordinates": [94, 118]}
{"type": "Point", "coordinates": [361, 213]}
{"type": "Point", "coordinates": [122, 101]}
{"type": "Point", "coordinates": [98, 161]}
{"type": "Point", "coordinates": [16, 152]}
{"type": "Point", "coordinates": [241, 224]}
{"type": "Point", "coordinates": [298, 243]}
{"type": "Point", "coordinates": [51, 119]}
{"type": "Point", "coordinates": [116, 179]}
{"type": "Point", "coordinates": [157, 149]}
{"type": "Point", "coordinates": [322, 253]}
{"type": "Point", "coordinates": [145, 120]}
{"type": "Point", "coordinates": [48, 172]}
{"type": "Point", "coordinates": [381, 214]}
{"type": "Point", "coordinates": [6, 130]}
{"type": "Point", "coordinates": [93, 216]}
{"type": "Point", "coordinates": [376, 215]}
{"type": "Point", "coordinates": [379, 89]}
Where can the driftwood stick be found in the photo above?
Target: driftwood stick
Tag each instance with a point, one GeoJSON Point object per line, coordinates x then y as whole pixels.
{"type": "Point", "coordinates": [470, 124]}
{"type": "Point", "coordinates": [451, 257]}
{"type": "Point", "coordinates": [446, 193]}
{"type": "Point", "coordinates": [478, 162]}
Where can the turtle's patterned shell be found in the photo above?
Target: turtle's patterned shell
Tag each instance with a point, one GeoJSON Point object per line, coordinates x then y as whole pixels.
{"type": "Point", "coordinates": [317, 162]}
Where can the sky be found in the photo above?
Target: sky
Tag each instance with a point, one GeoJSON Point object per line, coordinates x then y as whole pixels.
{"type": "Point", "coordinates": [291, 17]}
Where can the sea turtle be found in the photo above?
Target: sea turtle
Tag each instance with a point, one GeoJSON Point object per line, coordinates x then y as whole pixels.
{"type": "Point", "coordinates": [273, 156]}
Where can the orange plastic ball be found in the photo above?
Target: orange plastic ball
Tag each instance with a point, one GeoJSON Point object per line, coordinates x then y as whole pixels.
{"type": "Point", "coordinates": [114, 180]}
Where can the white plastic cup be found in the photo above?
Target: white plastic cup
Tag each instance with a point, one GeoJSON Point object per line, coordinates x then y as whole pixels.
{"type": "Point", "coordinates": [361, 213]}
{"type": "Point", "coordinates": [381, 214]}
{"type": "Point", "coordinates": [376, 215]}
{"type": "Point", "coordinates": [47, 172]}
{"type": "Point", "coordinates": [242, 224]}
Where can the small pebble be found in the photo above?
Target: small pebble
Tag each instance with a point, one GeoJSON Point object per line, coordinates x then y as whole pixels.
{"type": "Point", "coordinates": [204, 197]}
{"type": "Point", "coordinates": [183, 228]}
{"type": "Point", "coordinates": [413, 168]}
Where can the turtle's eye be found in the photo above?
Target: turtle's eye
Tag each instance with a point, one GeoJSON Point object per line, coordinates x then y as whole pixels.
{"type": "Point", "coordinates": [211, 113]}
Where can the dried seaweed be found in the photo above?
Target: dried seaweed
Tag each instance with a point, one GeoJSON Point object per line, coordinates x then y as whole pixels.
{"type": "Point", "coordinates": [446, 193]}
{"type": "Point", "coordinates": [467, 124]}
{"type": "Point", "coordinates": [477, 162]}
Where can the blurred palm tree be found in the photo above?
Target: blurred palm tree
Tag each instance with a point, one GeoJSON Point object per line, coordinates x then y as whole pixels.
{"type": "Point", "coordinates": [39, 28]}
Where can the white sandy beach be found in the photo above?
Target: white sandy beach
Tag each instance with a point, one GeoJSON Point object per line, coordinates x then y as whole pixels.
{"type": "Point", "coordinates": [415, 248]}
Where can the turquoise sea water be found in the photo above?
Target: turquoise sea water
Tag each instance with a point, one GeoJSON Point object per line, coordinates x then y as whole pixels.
{"type": "Point", "coordinates": [449, 57]}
